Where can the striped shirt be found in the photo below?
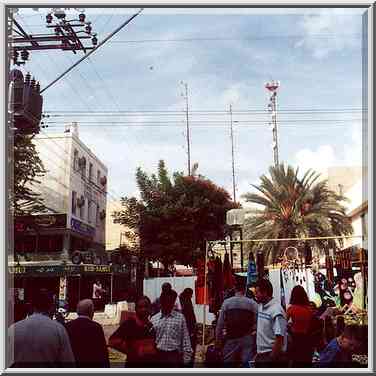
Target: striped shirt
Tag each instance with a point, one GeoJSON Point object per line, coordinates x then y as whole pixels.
{"type": "Point", "coordinates": [172, 333]}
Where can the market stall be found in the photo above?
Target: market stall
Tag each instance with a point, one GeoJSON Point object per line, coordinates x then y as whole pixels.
{"type": "Point", "coordinates": [69, 283]}
{"type": "Point", "coordinates": [293, 270]}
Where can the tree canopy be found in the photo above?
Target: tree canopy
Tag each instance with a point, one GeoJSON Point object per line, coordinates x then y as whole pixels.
{"type": "Point", "coordinates": [292, 207]}
{"type": "Point", "coordinates": [174, 216]}
{"type": "Point", "coordinates": [27, 169]}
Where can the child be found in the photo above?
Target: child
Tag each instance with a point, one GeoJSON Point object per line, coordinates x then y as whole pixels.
{"type": "Point", "coordinates": [339, 351]}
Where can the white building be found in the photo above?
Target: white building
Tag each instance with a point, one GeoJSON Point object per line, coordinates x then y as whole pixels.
{"type": "Point", "coordinates": [75, 184]}
{"type": "Point", "coordinates": [351, 181]}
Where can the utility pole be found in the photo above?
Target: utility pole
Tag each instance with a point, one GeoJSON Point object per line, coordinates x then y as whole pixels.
{"type": "Point", "coordinates": [232, 156]}
{"type": "Point", "coordinates": [187, 124]}
{"type": "Point", "coordinates": [64, 36]}
{"type": "Point", "coordinates": [273, 86]}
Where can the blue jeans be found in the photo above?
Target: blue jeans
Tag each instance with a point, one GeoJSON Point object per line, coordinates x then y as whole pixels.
{"type": "Point", "coordinates": [239, 351]}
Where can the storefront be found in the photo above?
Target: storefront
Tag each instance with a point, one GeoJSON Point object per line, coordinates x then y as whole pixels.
{"type": "Point", "coordinates": [70, 283]}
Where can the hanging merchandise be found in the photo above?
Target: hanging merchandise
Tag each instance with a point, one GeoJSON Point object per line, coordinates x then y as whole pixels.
{"type": "Point", "coordinates": [228, 277]}
{"type": "Point", "coordinates": [324, 291]}
{"type": "Point", "coordinates": [200, 283]}
{"type": "Point", "coordinates": [345, 293]}
{"type": "Point", "coordinates": [260, 265]}
{"type": "Point", "coordinates": [210, 278]}
{"type": "Point", "coordinates": [283, 297]}
{"type": "Point", "coordinates": [307, 255]}
{"type": "Point", "coordinates": [358, 300]}
{"type": "Point", "coordinates": [329, 269]}
{"type": "Point", "coordinates": [339, 264]}
{"type": "Point", "coordinates": [275, 280]}
{"type": "Point", "coordinates": [218, 285]}
{"type": "Point", "coordinates": [251, 273]}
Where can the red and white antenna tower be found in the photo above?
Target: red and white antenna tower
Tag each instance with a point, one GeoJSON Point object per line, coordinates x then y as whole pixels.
{"type": "Point", "coordinates": [273, 86]}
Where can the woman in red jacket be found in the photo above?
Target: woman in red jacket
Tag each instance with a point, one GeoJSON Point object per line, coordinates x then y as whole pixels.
{"type": "Point", "coordinates": [300, 315]}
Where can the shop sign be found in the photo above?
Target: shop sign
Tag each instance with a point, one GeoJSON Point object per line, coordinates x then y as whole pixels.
{"type": "Point", "coordinates": [60, 270]}
{"type": "Point", "coordinates": [53, 269]}
{"type": "Point", "coordinates": [72, 269]}
{"type": "Point", "coordinates": [17, 269]}
{"type": "Point", "coordinates": [97, 268]}
{"type": "Point", "coordinates": [32, 222]}
{"type": "Point", "coordinates": [82, 228]}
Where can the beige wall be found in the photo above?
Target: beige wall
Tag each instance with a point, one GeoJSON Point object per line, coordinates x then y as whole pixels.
{"type": "Point", "coordinates": [114, 230]}
{"type": "Point", "coordinates": [353, 181]}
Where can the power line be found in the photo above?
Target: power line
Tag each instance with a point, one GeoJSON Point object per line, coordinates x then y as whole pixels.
{"type": "Point", "coordinates": [232, 156]}
{"type": "Point", "coordinates": [187, 127]}
{"type": "Point", "coordinates": [218, 39]}
{"type": "Point", "coordinates": [92, 51]}
{"type": "Point", "coordinates": [114, 100]}
{"type": "Point", "coordinates": [166, 123]}
{"type": "Point", "coordinates": [297, 110]}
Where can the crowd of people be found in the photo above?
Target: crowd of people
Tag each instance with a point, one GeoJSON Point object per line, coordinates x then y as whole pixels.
{"type": "Point", "coordinates": [249, 332]}
{"type": "Point", "coordinates": [258, 332]}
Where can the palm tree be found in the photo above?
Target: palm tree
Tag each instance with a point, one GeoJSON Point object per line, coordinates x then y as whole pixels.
{"type": "Point", "coordinates": [293, 208]}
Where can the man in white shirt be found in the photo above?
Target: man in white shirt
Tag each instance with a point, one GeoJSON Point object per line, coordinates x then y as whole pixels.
{"type": "Point", "coordinates": [271, 328]}
{"type": "Point", "coordinates": [98, 292]}
{"type": "Point", "coordinates": [38, 341]}
{"type": "Point", "coordinates": [172, 336]}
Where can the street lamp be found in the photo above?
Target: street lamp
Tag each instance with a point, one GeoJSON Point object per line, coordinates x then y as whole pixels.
{"type": "Point", "coordinates": [235, 219]}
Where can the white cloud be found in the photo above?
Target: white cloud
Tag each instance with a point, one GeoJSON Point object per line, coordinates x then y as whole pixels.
{"type": "Point", "coordinates": [330, 30]}
{"type": "Point", "coordinates": [325, 156]}
{"type": "Point", "coordinates": [353, 151]}
{"type": "Point", "coordinates": [319, 159]}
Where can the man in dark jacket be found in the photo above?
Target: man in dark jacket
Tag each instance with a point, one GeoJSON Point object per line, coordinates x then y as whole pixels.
{"type": "Point", "coordinates": [87, 338]}
{"type": "Point", "coordinates": [236, 328]}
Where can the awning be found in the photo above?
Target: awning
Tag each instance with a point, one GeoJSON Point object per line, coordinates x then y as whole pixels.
{"type": "Point", "coordinates": [61, 270]}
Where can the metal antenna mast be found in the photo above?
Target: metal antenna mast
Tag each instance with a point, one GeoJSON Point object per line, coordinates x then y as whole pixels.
{"type": "Point", "coordinates": [232, 155]}
{"type": "Point", "coordinates": [273, 86]}
{"type": "Point", "coordinates": [187, 121]}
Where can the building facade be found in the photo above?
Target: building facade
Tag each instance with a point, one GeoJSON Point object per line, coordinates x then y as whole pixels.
{"type": "Point", "coordinates": [74, 190]}
{"type": "Point", "coordinates": [75, 184]}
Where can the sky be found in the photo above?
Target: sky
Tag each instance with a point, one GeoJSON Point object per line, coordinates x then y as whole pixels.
{"type": "Point", "coordinates": [225, 56]}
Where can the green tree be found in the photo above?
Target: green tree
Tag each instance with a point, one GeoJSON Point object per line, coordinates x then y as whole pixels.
{"type": "Point", "coordinates": [174, 216]}
{"type": "Point", "coordinates": [27, 169]}
{"type": "Point", "coordinates": [294, 207]}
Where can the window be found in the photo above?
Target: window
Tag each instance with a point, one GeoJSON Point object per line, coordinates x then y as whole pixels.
{"type": "Point", "coordinates": [75, 160]}
{"type": "Point", "coordinates": [83, 167]}
{"type": "Point", "coordinates": [90, 207]}
{"type": "Point", "coordinates": [88, 211]}
{"type": "Point", "coordinates": [98, 177]}
{"type": "Point", "coordinates": [90, 172]}
{"type": "Point", "coordinates": [97, 215]}
{"type": "Point", "coordinates": [74, 202]}
{"type": "Point", "coordinates": [82, 210]}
